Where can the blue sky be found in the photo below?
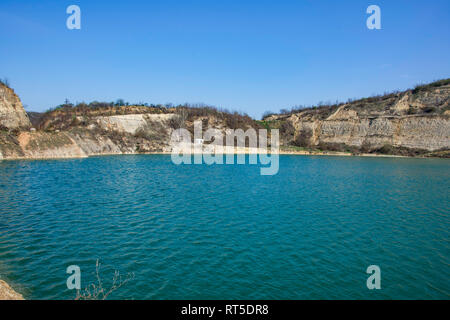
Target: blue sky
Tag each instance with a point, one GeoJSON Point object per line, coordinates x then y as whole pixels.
{"type": "Point", "coordinates": [249, 56]}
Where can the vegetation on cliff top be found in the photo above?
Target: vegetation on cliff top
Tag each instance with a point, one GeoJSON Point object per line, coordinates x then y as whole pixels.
{"type": "Point", "coordinates": [82, 119]}
{"type": "Point", "coordinates": [378, 102]}
{"type": "Point", "coordinates": [5, 82]}
{"type": "Point", "coordinates": [68, 115]}
{"type": "Point", "coordinates": [297, 125]}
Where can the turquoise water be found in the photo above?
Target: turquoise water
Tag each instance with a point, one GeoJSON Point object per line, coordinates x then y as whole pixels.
{"type": "Point", "coordinates": [226, 232]}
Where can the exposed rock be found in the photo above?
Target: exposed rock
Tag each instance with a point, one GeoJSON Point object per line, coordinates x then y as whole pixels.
{"type": "Point", "coordinates": [131, 123]}
{"type": "Point", "coordinates": [39, 145]}
{"type": "Point", "coordinates": [7, 293]}
{"type": "Point", "coordinates": [12, 113]}
{"type": "Point", "coordinates": [344, 114]}
{"type": "Point", "coordinates": [415, 119]}
{"type": "Point", "coordinates": [421, 132]}
{"type": "Point", "coordinates": [403, 105]}
{"type": "Point", "coordinates": [415, 122]}
{"type": "Point", "coordinates": [43, 145]}
{"type": "Point", "coordinates": [93, 144]}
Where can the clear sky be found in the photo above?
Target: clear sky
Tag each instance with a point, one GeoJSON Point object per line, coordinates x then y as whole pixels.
{"type": "Point", "coordinates": [244, 55]}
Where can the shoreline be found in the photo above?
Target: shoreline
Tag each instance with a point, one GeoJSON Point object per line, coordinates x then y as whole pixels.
{"type": "Point", "coordinates": [8, 293]}
{"type": "Point", "coordinates": [281, 152]}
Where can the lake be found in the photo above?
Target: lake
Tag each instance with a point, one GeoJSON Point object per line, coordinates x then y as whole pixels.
{"type": "Point", "coordinates": [225, 231]}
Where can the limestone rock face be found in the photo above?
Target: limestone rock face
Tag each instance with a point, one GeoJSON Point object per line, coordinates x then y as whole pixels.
{"type": "Point", "coordinates": [131, 123]}
{"type": "Point", "coordinates": [415, 119]}
{"type": "Point", "coordinates": [12, 113]}
{"type": "Point", "coordinates": [419, 132]}
{"type": "Point", "coordinates": [43, 145]}
{"type": "Point", "coordinates": [415, 122]}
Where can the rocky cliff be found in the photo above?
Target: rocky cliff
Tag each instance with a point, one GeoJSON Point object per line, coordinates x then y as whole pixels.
{"type": "Point", "coordinates": [414, 122]}
{"type": "Point", "coordinates": [87, 136]}
{"type": "Point", "coordinates": [12, 113]}
{"type": "Point", "coordinates": [102, 129]}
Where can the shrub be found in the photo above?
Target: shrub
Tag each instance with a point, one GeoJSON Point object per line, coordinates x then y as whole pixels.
{"type": "Point", "coordinates": [97, 291]}
{"type": "Point", "coordinates": [303, 138]}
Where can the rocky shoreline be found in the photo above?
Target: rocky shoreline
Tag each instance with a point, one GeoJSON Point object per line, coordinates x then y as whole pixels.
{"type": "Point", "coordinates": [8, 293]}
{"type": "Point", "coordinates": [281, 152]}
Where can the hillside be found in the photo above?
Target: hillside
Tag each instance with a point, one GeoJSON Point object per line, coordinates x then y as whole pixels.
{"type": "Point", "coordinates": [12, 113]}
{"type": "Point", "coordinates": [413, 122]}
{"type": "Point", "coordinates": [103, 128]}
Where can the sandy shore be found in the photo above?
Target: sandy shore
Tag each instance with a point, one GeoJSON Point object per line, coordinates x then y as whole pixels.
{"type": "Point", "coordinates": [8, 293]}
{"type": "Point", "coordinates": [236, 151]}
{"type": "Point", "coordinates": [341, 154]}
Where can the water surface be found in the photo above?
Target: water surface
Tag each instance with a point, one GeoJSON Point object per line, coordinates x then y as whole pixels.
{"type": "Point", "coordinates": [225, 231]}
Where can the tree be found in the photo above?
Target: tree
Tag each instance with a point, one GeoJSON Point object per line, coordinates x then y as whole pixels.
{"type": "Point", "coordinates": [120, 102]}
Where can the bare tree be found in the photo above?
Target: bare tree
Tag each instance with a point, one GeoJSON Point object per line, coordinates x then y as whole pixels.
{"type": "Point", "coordinates": [95, 291]}
{"type": "Point", "coordinates": [179, 120]}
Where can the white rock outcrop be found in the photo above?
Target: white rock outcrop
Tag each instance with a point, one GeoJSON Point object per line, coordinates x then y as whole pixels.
{"type": "Point", "coordinates": [12, 113]}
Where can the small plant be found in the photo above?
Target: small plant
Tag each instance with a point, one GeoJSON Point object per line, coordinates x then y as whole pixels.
{"type": "Point", "coordinates": [96, 291]}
